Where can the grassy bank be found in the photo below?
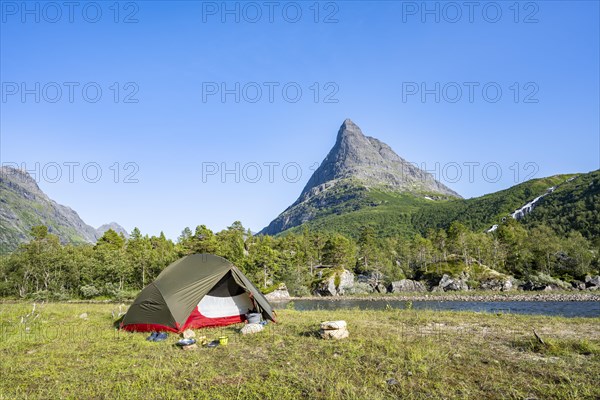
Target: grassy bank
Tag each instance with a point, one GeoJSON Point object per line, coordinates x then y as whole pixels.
{"type": "Point", "coordinates": [390, 354]}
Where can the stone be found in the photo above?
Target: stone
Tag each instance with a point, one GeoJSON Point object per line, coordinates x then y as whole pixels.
{"type": "Point", "coordinates": [392, 382]}
{"type": "Point", "coordinates": [281, 293]}
{"type": "Point", "coordinates": [335, 334]}
{"type": "Point", "coordinates": [83, 316]}
{"type": "Point", "coordinates": [360, 288]}
{"type": "Point", "coordinates": [591, 281]}
{"type": "Point", "coordinates": [250, 329]}
{"type": "Point", "coordinates": [191, 347]}
{"type": "Point", "coordinates": [380, 288]}
{"type": "Point", "coordinates": [579, 285]}
{"type": "Point", "coordinates": [328, 287]}
{"type": "Point", "coordinates": [451, 284]}
{"type": "Point", "coordinates": [406, 285]}
{"type": "Point", "coordinates": [327, 325]}
{"type": "Point", "coordinates": [497, 284]}
{"type": "Point", "coordinates": [188, 334]}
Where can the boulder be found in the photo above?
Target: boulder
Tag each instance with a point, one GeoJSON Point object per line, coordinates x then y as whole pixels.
{"type": "Point", "coordinates": [406, 285]}
{"type": "Point", "coordinates": [497, 284]}
{"type": "Point", "coordinates": [592, 281]}
{"type": "Point", "coordinates": [529, 285]}
{"type": "Point", "coordinates": [452, 284]}
{"type": "Point", "coordinates": [336, 334]}
{"type": "Point", "coordinates": [281, 293]}
{"type": "Point", "coordinates": [334, 330]}
{"type": "Point", "coordinates": [249, 329]}
{"type": "Point", "coordinates": [335, 284]}
{"type": "Point", "coordinates": [360, 288]}
{"type": "Point", "coordinates": [328, 325]}
{"type": "Point", "coordinates": [579, 285]}
{"type": "Point", "coordinates": [380, 288]}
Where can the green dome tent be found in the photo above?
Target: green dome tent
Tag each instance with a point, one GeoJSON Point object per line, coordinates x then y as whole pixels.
{"type": "Point", "coordinates": [196, 291]}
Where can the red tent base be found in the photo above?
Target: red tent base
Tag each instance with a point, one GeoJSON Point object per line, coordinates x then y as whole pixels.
{"type": "Point", "coordinates": [194, 321]}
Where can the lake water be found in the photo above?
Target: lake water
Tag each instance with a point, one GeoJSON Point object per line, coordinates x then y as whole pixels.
{"type": "Point", "coordinates": [562, 308]}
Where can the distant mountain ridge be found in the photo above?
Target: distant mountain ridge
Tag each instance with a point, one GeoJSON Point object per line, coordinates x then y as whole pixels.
{"type": "Point", "coordinates": [355, 165]}
{"type": "Point", "coordinates": [23, 205]}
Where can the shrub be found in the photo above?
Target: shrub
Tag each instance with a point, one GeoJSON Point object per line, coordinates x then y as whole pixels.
{"type": "Point", "coordinates": [88, 291]}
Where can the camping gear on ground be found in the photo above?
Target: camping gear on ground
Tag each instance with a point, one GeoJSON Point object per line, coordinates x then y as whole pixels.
{"type": "Point", "coordinates": [190, 347]}
{"type": "Point", "coordinates": [223, 340]}
{"type": "Point", "coordinates": [213, 344]}
{"type": "Point", "coordinates": [185, 342]}
{"type": "Point", "coordinates": [251, 328]}
{"type": "Point", "coordinates": [196, 291]}
{"type": "Point", "coordinates": [334, 330]}
{"type": "Point", "coordinates": [157, 336]}
{"type": "Point", "coordinates": [202, 340]}
{"type": "Point", "coordinates": [188, 334]}
{"type": "Point", "coordinates": [161, 336]}
{"type": "Point", "coordinates": [253, 318]}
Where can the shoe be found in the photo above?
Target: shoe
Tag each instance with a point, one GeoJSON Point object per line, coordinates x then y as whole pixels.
{"type": "Point", "coordinates": [152, 337]}
{"type": "Point", "coordinates": [161, 336]}
{"type": "Point", "coordinates": [214, 343]}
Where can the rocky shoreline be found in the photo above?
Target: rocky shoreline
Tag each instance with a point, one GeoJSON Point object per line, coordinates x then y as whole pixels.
{"type": "Point", "coordinates": [465, 297]}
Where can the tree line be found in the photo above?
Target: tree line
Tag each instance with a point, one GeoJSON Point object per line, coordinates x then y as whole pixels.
{"type": "Point", "coordinates": [116, 267]}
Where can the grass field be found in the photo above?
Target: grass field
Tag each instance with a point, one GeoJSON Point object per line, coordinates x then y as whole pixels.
{"type": "Point", "coordinates": [53, 353]}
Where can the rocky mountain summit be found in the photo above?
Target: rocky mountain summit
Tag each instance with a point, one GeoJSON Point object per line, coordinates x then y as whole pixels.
{"type": "Point", "coordinates": [115, 227]}
{"type": "Point", "coordinates": [355, 165]}
{"type": "Point", "coordinates": [372, 163]}
{"type": "Point", "coordinates": [23, 205]}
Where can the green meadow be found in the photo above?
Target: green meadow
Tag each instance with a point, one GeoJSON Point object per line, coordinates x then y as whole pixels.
{"type": "Point", "coordinates": [56, 352]}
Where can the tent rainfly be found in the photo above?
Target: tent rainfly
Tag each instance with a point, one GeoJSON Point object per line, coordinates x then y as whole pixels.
{"type": "Point", "coordinates": [196, 291]}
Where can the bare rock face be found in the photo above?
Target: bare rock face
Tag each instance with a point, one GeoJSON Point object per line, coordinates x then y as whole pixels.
{"type": "Point", "coordinates": [497, 284]}
{"type": "Point", "coordinates": [115, 227]}
{"type": "Point", "coordinates": [355, 163]}
{"type": "Point", "coordinates": [406, 285]}
{"type": "Point", "coordinates": [281, 293]}
{"type": "Point", "coordinates": [592, 282]}
{"type": "Point", "coordinates": [23, 205]}
{"type": "Point", "coordinates": [336, 284]}
{"type": "Point", "coordinates": [448, 284]}
{"type": "Point", "coordinates": [372, 162]}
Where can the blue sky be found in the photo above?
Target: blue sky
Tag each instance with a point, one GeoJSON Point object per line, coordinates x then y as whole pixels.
{"type": "Point", "coordinates": [169, 132]}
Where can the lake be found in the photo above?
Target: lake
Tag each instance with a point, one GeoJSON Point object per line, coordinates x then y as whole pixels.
{"type": "Point", "coordinates": [558, 308]}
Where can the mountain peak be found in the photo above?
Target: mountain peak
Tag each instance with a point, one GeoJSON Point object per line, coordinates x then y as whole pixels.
{"type": "Point", "coordinates": [361, 162]}
{"type": "Point", "coordinates": [371, 162]}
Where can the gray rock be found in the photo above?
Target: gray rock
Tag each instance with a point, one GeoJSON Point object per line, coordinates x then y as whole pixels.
{"type": "Point", "coordinates": [497, 284]}
{"type": "Point", "coordinates": [115, 227]}
{"type": "Point", "coordinates": [360, 288]}
{"type": "Point", "coordinates": [281, 293]}
{"type": "Point", "coordinates": [591, 281]}
{"type": "Point", "coordinates": [406, 285]}
{"type": "Point", "coordinates": [380, 288]}
{"type": "Point", "coordinates": [21, 198]}
{"type": "Point", "coordinates": [452, 284]}
{"type": "Point", "coordinates": [328, 287]}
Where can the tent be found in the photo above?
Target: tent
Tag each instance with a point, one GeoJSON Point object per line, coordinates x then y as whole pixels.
{"type": "Point", "coordinates": [196, 291]}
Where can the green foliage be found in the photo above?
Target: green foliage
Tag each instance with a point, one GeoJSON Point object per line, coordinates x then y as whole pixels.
{"type": "Point", "coordinates": [117, 267]}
